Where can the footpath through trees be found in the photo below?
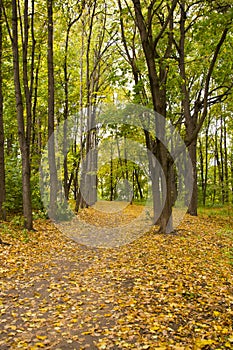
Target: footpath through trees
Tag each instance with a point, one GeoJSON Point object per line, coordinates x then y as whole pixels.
{"type": "Point", "coordinates": [160, 291]}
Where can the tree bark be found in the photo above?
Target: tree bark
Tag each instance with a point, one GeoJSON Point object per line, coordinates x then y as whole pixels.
{"type": "Point", "coordinates": [51, 137]}
{"type": "Point", "coordinates": [226, 162]}
{"type": "Point", "coordinates": [66, 104]}
{"type": "Point", "coordinates": [231, 157]}
{"type": "Point", "coordinates": [2, 155]}
{"type": "Point", "coordinates": [23, 141]}
{"type": "Point", "coordinates": [222, 160]}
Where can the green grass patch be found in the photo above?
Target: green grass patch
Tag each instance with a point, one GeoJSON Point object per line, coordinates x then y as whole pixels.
{"type": "Point", "coordinates": [223, 211]}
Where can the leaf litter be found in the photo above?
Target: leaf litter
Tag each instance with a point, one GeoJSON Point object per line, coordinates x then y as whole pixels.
{"type": "Point", "coordinates": [158, 292]}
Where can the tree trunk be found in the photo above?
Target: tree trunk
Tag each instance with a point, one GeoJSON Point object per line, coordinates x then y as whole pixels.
{"type": "Point", "coordinates": [226, 162]}
{"type": "Point", "coordinates": [111, 175]}
{"type": "Point", "coordinates": [215, 160]}
{"type": "Point", "coordinates": [157, 79]}
{"type": "Point", "coordinates": [27, 207]}
{"type": "Point", "coordinates": [2, 156]}
{"type": "Point", "coordinates": [36, 124]}
{"type": "Point", "coordinates": [78, 194]}
{"type": "Point", "coordinates": [218, 162]}
{"type": "Point", "coordinates": [51, 139]}
{"type": "Point", "coordinates": [202, 172]}
{"type": "Point", "coordinates": [195, 120]}
{"type": "Point", "coordinates": [232, 173]}
{"type": "Point", "coordinates": [192, 209]}
{"type": "Point", "coordinates": [206, 159]}
{"type": "Point", "coordinates": [138, 183]}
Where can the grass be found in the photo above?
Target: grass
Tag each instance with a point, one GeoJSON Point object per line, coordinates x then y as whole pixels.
{"type": "Point", "coordinates": [222, 211]}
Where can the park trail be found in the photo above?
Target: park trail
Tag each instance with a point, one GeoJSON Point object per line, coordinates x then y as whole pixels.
{"type": "Point", "coordinates": [158, 291]}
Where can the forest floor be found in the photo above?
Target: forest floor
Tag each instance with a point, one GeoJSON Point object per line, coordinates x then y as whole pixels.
{"type": "Point", "coordinates": [157, 292]}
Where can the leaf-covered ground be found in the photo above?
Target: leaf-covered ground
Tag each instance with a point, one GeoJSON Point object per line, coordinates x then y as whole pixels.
{"type": "Point", "coordinates": [158, 292]}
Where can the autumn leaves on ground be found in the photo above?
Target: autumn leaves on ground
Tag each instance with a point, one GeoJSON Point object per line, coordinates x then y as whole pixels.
{"type": "Point", "coordinates": [157, 292]}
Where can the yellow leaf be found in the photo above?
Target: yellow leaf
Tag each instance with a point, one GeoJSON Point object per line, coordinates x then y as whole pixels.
{"type": "Point", "coordinates": [154, 328]}
{"type": "Point", "coordinates": [228, 345]}
{"type": "Point", "coordinates": [66, 298]}
{"type": "Point", "coordinates": [40, 345]}
{"type": "Point", "coordinates": [225, 330]}
{"type": "Point", "coordinates": [41, 337]}
{"type": "Point", "coordinates": [203, 342]}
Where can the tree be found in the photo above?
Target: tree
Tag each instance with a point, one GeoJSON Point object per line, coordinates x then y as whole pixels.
{"type": "Point", "coordinates": [23, 133]}
{"type": "Point", "coordinates": [71, 20]}
{"type": "Point", "coordinates": [167, 44]}
{"type": "Point", "coordinates": [95, 49]}
{"type": "Point", "coordinates": [51, 136]}
{"type": "Point", "coordinates": [157, 71]}
{"type": "Point", "coordinates": [195, 112]}
{"type": "Point", "coordinates": [2, 156]}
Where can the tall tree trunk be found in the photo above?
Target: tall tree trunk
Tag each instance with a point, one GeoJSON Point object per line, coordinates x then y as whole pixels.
{"type": "Point", "coordinates": [23, 142]}
{"type": "Point", "coordinates": [51, 137]}
{"type": "Point", "coordinates": [222, 159]}
{"type": "Point", "coordinates": [111, 174]}
{"type": "Point", "coordinates": [232, 172]}
{"type": "Point", "coordinates": [206, 159]}
{"type": "Point", "coordinates": [215, 161]}
{"type": "Point", "coordinates": [219, 167]}
{"type": "Point", "coordinates": [157, 79]}
{"type": "Point", "coordinates": [192, 209]}
{"type": "Point", "coordinates": [140, 95]}
{"type": "Point", "coordinates": [36, 124]}
{"type": "Point", "coordinates": [66, 112]}
{"type": "Point", "coordinates": [195, 120]}
{"type": "Point", "coordinates": [138, 183]}
{"type": "Point", "coordinates": [202, 172]}
{"type": "Point", "coordinates": [66, 105]}
{"type": "Point", "coordinates": [78, 195]}
{"type": "Point", "coordinates": [2, 156]}
{"type": "Point", "coordinates": [226, 161]}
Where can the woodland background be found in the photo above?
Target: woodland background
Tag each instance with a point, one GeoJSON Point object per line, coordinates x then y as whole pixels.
{"type": "Point", "coordinates": [57, 58]}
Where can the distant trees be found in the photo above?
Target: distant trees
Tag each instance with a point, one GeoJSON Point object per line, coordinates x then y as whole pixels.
{"type": "Point", "coordinates": [214, 160]}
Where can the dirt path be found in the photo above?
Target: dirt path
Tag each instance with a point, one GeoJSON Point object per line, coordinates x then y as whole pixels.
{"type": "Point", "coordinates": [157, 292]}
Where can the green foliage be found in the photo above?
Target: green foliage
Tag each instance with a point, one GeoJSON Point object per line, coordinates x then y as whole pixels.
{"type": "Point", "coordinates": [109, 69]}
{"type": "Point", "coordinates": [216, 210]}
{"type": "Point", "coordinates": [13, 184]}
{"type": "Point", "coordinates": [64, 213]}
{"type": "Point", "coordinates": [17, 221]}
{"type": "Point", "coordinates": [37, 203]}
